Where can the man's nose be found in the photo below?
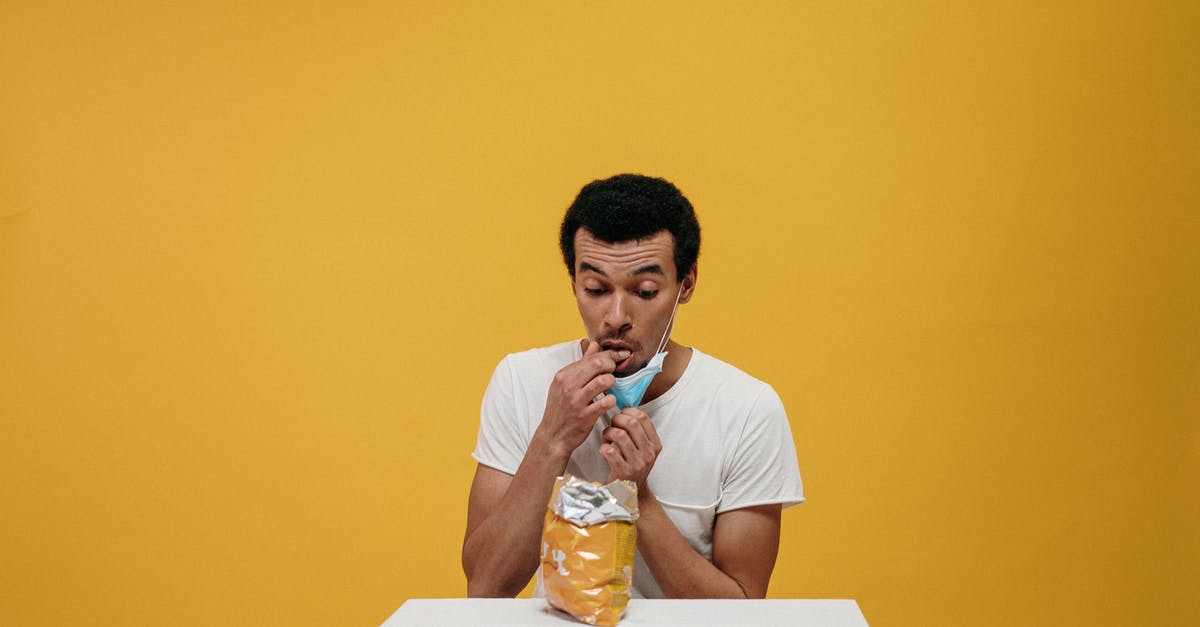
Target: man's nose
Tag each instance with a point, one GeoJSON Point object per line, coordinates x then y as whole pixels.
{"type": "Point", "coordinates": [616, 316]}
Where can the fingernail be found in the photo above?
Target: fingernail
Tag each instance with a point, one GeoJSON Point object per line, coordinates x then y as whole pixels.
{"type": "Point", "coordinates": [622, 354]}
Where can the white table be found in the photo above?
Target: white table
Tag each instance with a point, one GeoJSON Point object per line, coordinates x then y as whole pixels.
{"type": "Point", "coordinates": [748, 613]}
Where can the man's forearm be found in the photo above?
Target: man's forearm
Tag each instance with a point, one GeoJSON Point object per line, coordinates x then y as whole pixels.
{"type": "Point", "coordinates": [680, 571]}
{"type": "Point", "coordinates": [501, 554]}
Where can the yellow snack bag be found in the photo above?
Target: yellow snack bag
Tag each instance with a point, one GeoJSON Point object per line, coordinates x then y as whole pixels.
{"type": "Point", "coordinates": [588, 541]}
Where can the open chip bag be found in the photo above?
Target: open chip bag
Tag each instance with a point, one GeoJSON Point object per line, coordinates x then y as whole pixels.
{"type": "Point", "coordinates": [588, 541]}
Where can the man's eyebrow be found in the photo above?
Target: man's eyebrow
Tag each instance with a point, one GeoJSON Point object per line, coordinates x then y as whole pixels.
{"type": "Point", "coordinates": [650, 269]}
{"type": "Point", "coordinates": [585, 267]}
{"type": "Point", "coordinates": [653, 268]}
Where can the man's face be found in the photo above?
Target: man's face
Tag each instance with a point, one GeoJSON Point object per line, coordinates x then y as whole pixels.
{"type": "Point", "coordinates": [626, 292]}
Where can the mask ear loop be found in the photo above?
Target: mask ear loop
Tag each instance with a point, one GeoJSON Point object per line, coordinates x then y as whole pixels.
{"type": "Point", "coordinates": [666, 332]}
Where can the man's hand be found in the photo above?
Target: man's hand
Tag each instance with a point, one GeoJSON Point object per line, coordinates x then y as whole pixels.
{"type": "Point", "coordinates": [504, 513]}
{"type": "Point", "coordinates": [630, 447]}
{"type": "Point", "coordinates": [572, 406]}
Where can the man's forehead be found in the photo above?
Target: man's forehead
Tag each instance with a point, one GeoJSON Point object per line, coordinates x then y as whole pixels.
{"type": "Point", "coordinates": [626, 256]}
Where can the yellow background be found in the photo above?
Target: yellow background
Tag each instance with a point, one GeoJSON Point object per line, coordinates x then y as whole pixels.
{"type": "Point", "coordinates": [258, 260]}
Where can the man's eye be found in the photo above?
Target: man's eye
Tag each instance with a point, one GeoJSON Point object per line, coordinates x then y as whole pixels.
{"type": "Point", "coordinates": [647, 294]}
{"type": "Point", "coordinates": [594, 291]}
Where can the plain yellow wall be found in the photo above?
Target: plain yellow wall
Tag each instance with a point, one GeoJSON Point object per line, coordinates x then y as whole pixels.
{"type": "Point", "coordinates": [257, 261]}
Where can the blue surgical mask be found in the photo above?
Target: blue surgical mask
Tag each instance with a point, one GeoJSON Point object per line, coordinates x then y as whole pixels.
{"type": "Point", "coordinates": [630, 390]}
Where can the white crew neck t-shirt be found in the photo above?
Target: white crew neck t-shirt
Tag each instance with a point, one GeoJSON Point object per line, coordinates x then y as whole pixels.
{"type": "Point", "coordinates": [726, 441]}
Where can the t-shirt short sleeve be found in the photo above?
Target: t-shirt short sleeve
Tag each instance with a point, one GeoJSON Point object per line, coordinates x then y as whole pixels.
{"type": "Point", "coordinates": [763, 469]}
{"type": "Point", "coordinates": [501, 443]}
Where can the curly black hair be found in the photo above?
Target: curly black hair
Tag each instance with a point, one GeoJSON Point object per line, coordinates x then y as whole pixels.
{"type": "Point", "coordinates": [627, 207]}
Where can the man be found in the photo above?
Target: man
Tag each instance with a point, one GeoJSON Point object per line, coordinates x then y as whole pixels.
{"type": "Point", "coordinates": [709, 447]}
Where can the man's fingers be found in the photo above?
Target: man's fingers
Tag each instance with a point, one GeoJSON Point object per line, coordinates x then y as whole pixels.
{"type": "Point", "coordinates": [618, 355]}
{"type": "Point", "coordinates": [632, 414]}
{"type": "Point", "coordinates": [593, 362]}
{"type": "Point", "coordinates": [651, 433]}
{"type": "Point", "coordinates": [625, 443]}
{"type": "Point", "coordinates": [603, 361]}
{"type": "Point", "coordinates": [598, 385]}
{"type": "Point", "coordinates": [637, 424]}
{"type": "Point", "coordinates": [601, 405]}
{"type": "Point", "coordinates": [622, 440]}
{"type": "Point", "coordinates": [613, 457]}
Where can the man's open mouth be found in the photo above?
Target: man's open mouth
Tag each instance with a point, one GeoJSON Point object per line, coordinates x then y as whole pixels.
{"type": "Point", "coordinates": [623, 365]}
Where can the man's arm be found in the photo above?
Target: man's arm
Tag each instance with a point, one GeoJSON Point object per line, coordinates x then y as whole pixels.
{"type": "Point", "coordinates": [504, 513]}
{"type": "Point", "coordinates": [745, 545]}
{"type": "Point", "coordinates": [745, 541]}
{"type": "Point", "coordinates": [504, 524]}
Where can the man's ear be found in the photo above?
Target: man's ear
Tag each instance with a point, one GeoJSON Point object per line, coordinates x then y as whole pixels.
{"type": "Point", "coordinates": [689, 284]}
